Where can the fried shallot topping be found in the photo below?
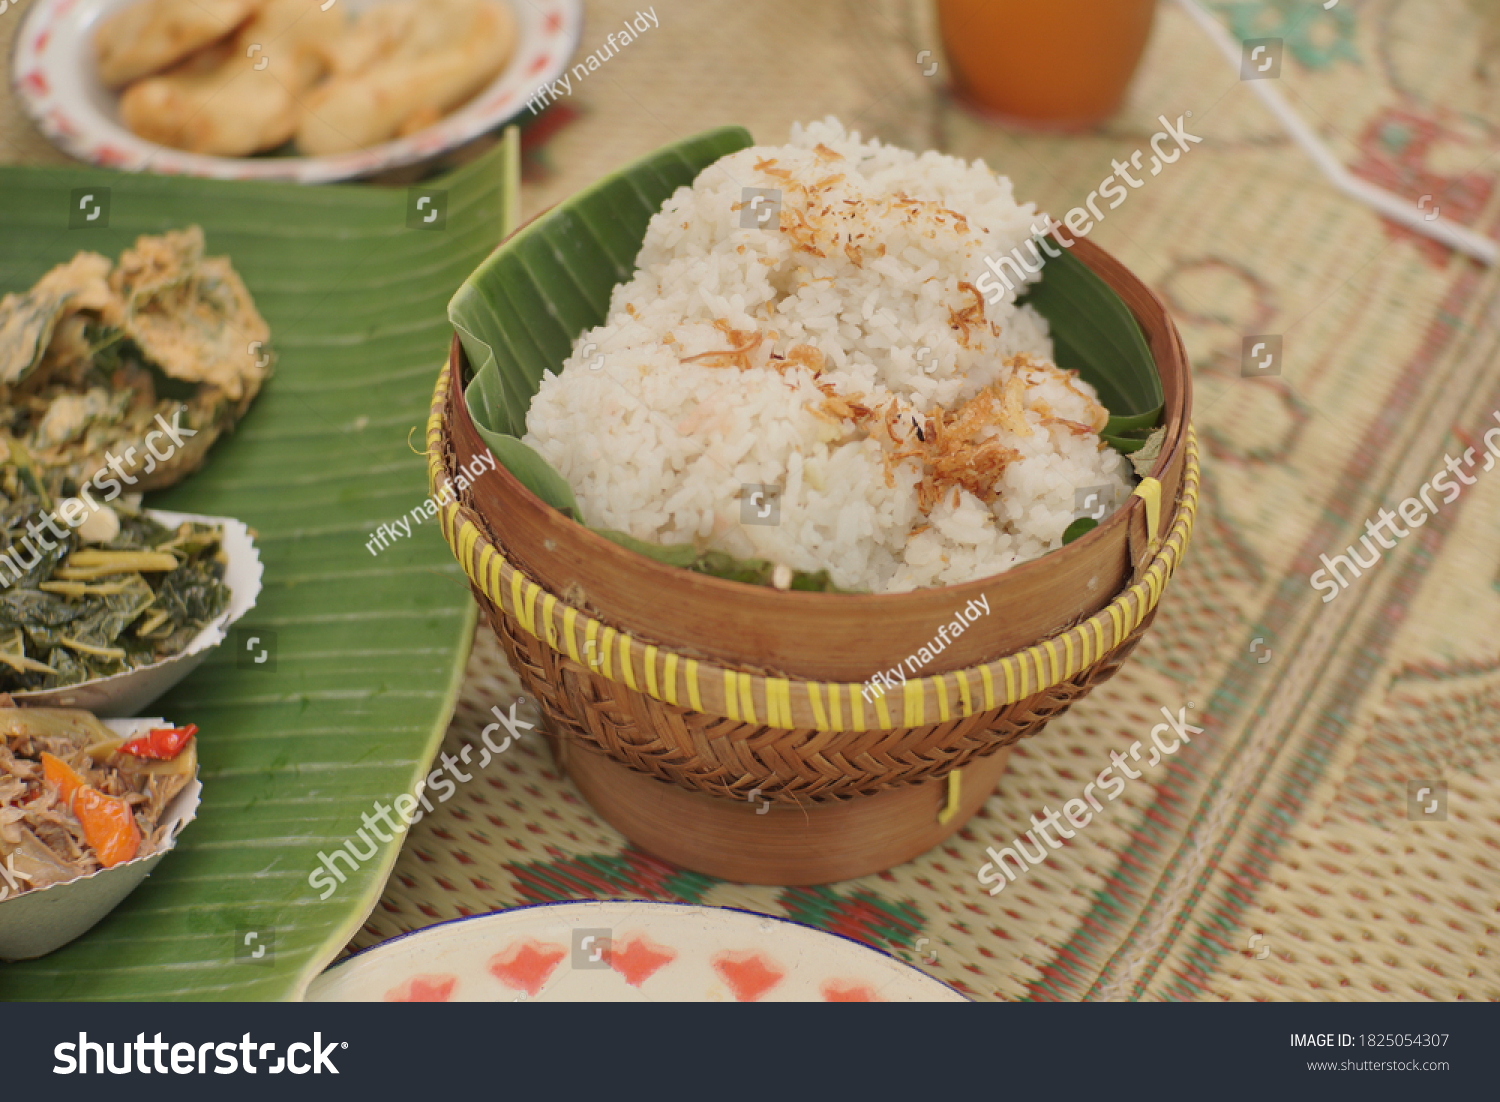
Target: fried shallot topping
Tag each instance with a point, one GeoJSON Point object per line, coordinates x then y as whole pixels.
{"type": "Point", "coordinates": [956, 453]}
{"type": "Point", "coordinates": [1099, 416]}
{"type": "Point", "coordinates": [745, 342]}
{"type": "Point", "coordinates": [962, 448]}
{"type": "Point", "coordinates": [961, 320]}
{"type": "Point", "coordinates": [818, 224]}
{"type": "Point", "coordinates": [805, 355]}
{"type": "Point", "coordinates": [837, 407]}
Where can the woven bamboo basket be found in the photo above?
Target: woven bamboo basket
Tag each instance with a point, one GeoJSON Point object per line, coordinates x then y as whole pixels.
{"type": "Point", "coordinates": [724, 726]}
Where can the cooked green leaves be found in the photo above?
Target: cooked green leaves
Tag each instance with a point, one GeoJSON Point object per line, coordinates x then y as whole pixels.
{"type": "Point", "coordinates": [71, 611]}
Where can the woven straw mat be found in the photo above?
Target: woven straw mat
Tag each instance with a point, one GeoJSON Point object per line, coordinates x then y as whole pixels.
{"type": "Point", "coordinates": [1282, 853]}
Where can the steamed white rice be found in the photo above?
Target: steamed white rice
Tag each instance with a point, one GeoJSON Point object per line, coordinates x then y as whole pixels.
{"type": "Point", "coordinates": [663, 449]}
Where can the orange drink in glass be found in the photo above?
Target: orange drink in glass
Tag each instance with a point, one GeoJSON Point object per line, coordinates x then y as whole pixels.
{"type": "Point", "coordinates": [1046, 64]}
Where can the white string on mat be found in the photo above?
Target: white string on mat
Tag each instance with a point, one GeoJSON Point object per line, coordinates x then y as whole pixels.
{"type": "Point", "coordinates": [1449, 232]}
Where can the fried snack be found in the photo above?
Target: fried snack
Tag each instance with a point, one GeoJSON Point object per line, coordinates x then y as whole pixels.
{"type": "Point", "coordinates": [215, 103]}
{"type": "Point", "coordinates": [446, 55]}
{"type": "Point", "coordinates": [147, 37]}
{"type": "Point", "coordinates": [191, 314]}
{"type": "Point", "coordinates": [31, 323]}
{"type": "Point", "coordinates": [290, 35]}
{"type": "Point", "coordinates": [420, 120]}
{"type": "Point", "coordinates": [90, 359]}
{"type": "Point", "coordinates": [373, 36]}
{"type": "Point", "coordinates": [237, 97]}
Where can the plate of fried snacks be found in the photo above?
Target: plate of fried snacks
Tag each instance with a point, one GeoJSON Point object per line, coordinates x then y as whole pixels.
{"type": "Point", "coordinates": [88, 808]}
{"type": "Point", "coordinates": [305, 90]}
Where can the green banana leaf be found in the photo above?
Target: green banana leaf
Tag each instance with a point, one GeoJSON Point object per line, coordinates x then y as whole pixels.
{"type": "Point", "coordinates": [518, 315]}
{"type": "Point", "coordinates": [1078, 529]}
{"type": "Point", "coordinates": [722, 565]}
{"type": "Point", "coordinates": [1095, 334]}
{"type": "Point", "coordinates": [366, 650]}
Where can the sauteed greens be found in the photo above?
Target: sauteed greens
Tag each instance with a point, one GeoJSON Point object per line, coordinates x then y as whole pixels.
{"type": "Point", "coordinates": [116, 592]}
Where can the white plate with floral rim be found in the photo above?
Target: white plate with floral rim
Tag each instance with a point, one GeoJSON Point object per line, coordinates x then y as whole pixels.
{"type": "Point", "coordinates": [624, 951]}
{"type": "Point", "coordinates": [54, 75]}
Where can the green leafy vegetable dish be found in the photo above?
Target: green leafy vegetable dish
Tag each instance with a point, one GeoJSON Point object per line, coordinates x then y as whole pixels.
{"type": "Point", "coordinates": [117, 592]}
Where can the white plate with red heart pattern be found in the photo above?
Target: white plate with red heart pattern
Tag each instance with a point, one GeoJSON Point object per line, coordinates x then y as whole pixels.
{"type": "Point", "coordinates": [624, 951]}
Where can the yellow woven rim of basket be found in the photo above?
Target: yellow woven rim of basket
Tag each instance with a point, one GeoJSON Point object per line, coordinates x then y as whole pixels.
{"type": "Point", "coordinates": [784, 702]}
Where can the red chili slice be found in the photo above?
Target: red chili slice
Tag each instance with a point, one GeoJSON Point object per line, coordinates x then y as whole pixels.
{"type": "Point", "coordinates": [162, 744]}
